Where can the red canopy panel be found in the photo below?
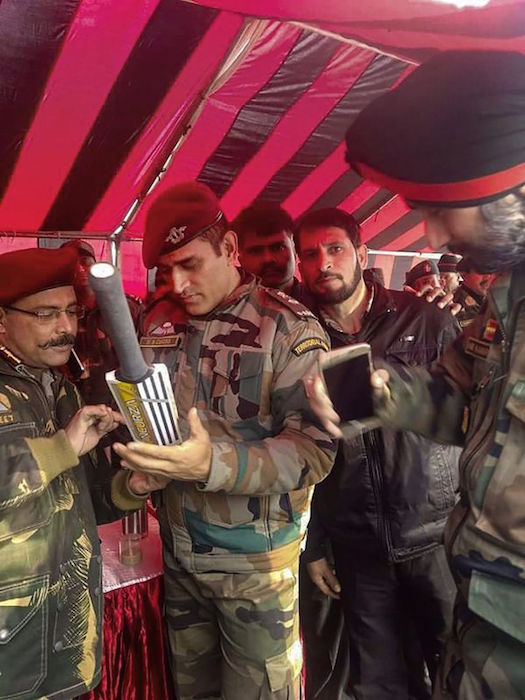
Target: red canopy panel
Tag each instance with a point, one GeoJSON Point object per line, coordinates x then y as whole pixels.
{"type": "Point", "coordinates": [95, 96]}
{"type": "Point", "coordinates": [412, 29]}
{"type": "Point", "coordinates": [275, 129]}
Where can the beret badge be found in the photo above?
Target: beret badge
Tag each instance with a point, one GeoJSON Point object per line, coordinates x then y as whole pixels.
{"type": "Point", "coordinates": [176, 234]}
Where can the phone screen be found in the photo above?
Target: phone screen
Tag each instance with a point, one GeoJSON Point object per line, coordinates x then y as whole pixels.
{"type": "Point", "coordinates": [348, 385]}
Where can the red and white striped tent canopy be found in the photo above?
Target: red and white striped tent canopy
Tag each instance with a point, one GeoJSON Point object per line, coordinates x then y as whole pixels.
{"type": "Point", "coordinates": [253, 97]}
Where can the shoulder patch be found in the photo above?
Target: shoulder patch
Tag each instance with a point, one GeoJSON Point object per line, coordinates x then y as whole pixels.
{"type": "Point", "coordinates": [295, 306]}
{"type": "Point", "coordinates": [6, 413]}
{"type": "Point", "coordinates": [310, 344]}
{"type": "Point", "coordinates": [15, 392]}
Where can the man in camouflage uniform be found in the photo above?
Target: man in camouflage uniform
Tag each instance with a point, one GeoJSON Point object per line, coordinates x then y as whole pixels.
{"type": "Point", "coordinates": [457, 130]}
{"type": "Point", "coordinates": [235, 512]}
{"type": "Point", "coordinates": [50, 484]}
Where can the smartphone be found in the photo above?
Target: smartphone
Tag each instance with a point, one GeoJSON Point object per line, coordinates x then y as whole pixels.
{"type": "Point", "coordinates": [346, 372]}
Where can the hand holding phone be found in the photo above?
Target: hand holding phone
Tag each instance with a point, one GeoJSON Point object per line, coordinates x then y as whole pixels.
{"type": "Point", "coordinates": [346, 373]}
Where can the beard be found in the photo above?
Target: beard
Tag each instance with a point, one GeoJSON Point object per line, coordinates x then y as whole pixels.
{"type": "Point", "coordinates": [487, 258]}
{"type": "Point", "coordinates": [281, 274]}
{"type": "Point", "coordinates": [500, 244]}
{"type": "Point", "coordinates": [330, 297]}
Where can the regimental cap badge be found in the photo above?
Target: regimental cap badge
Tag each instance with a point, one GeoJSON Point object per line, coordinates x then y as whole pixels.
{"type": "Point", "coordinates": [176, 234]}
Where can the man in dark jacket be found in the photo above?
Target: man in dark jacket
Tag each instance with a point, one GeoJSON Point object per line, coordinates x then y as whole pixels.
{"type": "Point", "coordinates": [385, 530]}
{"type": "Point", "coordinates": [50, 486]}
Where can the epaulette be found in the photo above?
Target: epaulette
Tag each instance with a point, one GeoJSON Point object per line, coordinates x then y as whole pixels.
{"type": "Point", "coordinates": [292, 304]}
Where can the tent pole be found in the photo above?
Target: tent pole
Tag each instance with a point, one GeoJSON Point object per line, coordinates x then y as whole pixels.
{"type": "Point", "coordinates": [60, 235]}
{"type": "Point", "coordinates": [114, 250]}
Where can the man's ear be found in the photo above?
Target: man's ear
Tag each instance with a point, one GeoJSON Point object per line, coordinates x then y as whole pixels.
{"type": "Point", "coordinates": [230, 246]}
{"type": "Point", "coordinates": [299, 268]}
{"type": "Point", "coordinates": [2, 317]}
{"type": "Point", "coordinates": [362, 256]}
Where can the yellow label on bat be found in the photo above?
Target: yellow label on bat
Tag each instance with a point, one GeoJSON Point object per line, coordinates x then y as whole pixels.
{"type": "Point", "coordinates": [130, 404]}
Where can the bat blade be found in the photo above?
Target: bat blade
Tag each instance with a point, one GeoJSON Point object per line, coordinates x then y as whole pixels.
{"type": "Point", "coordinates": [148, 406]}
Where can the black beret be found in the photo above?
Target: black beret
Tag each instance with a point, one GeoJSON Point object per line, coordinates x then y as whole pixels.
{"type": "Point", "coordinates": [425, 267]}
{"type": "Point", "coordinates": [448, 262]}
{"type": "Point", "coordinates": [451, 134]}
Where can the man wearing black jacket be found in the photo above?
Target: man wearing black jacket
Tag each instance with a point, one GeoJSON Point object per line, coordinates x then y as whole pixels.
{"type": "Point", "coordinates": [384, 522]}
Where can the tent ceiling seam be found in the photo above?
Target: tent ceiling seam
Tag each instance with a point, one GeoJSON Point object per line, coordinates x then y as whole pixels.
{"type": "Point", "coordinates": [353, 42]}
{"type": "Point", "coordinates": [246, 38]}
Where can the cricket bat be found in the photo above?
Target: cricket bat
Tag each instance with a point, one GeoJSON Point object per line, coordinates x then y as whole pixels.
{"type": "Point", "coordinates": [143, 394]}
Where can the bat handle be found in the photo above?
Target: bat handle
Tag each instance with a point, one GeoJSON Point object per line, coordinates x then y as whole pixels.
{"type": "Point", "coordinates": [105, 282]}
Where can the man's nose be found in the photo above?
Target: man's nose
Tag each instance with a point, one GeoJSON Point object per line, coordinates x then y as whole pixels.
{"type": "Point", "coordinates": [324, 261]}
{"type": "Point", "coordinates": [179, 281]}
{"type": "Point", "coordinates": [66, 323]}
{"type": "Point", "coordinates": [267, 256]}
{"type": "Point", "coordinates": [436, 233]}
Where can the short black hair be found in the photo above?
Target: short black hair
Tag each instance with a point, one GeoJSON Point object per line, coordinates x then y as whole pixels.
{"type": "Point", "coordinates": [331, 216]}
{"type": "Point", "coordinates": [264, 218]}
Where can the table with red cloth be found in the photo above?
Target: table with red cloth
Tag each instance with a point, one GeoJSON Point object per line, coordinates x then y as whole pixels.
{"type": "Point", "coordinates": [134, 665]}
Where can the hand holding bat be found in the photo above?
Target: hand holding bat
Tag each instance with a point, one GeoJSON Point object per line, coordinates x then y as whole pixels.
{"type": "Point", "coordinates": [189, 461]}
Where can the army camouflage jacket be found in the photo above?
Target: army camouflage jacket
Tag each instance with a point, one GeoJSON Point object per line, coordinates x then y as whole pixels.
{"type": "Point", "coordinates": [484, 371]}
{"type": "Point", "coordinates": [50, 577]}
{"type": "Point", "coordinates": [242, 366]}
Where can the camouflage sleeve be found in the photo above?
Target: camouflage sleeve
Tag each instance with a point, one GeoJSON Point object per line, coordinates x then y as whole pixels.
{"type": "Point", "coordinates": [299, 453]}
{"type": "Point", "coordinates": [30, 464]}
{"type": "Point", "coordinates": [431, 402]}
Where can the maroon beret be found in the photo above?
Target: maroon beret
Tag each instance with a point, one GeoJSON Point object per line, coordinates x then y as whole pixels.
{"type": "Point", "coordinates": [422, 269]}
{"type": "Point", "coordinates": [82, 247]}
{"type": "Point", "coordinates": [31, 270]}
{"type": "Point", "coordinates": [177, 216]}
{"type": "Point", "coordinates": [448, 262]}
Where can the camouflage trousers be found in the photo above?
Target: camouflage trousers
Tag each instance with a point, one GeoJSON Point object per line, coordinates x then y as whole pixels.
{"type": "Point", "coordinates": [233, 636]}
{"type": "Point", "coordinates": [481, 661]}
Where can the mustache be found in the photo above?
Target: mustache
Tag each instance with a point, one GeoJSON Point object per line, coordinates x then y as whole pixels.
{"type": "Point", "coordinates": [64, 339]}
{"type": "Point", "coordinates": [327, 276]}
{"type": "Point", "coordinates": [270, 267]}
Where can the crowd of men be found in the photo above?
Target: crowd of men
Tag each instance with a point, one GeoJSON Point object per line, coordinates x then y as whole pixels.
{"type": "Point", "coordinates": [391, 559]}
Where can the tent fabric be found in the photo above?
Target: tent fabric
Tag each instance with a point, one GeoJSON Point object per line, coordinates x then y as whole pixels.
{"type": "Point", "coordinates": [410, 29]}
{"type": "Point", "coordinates": [252, 97]}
